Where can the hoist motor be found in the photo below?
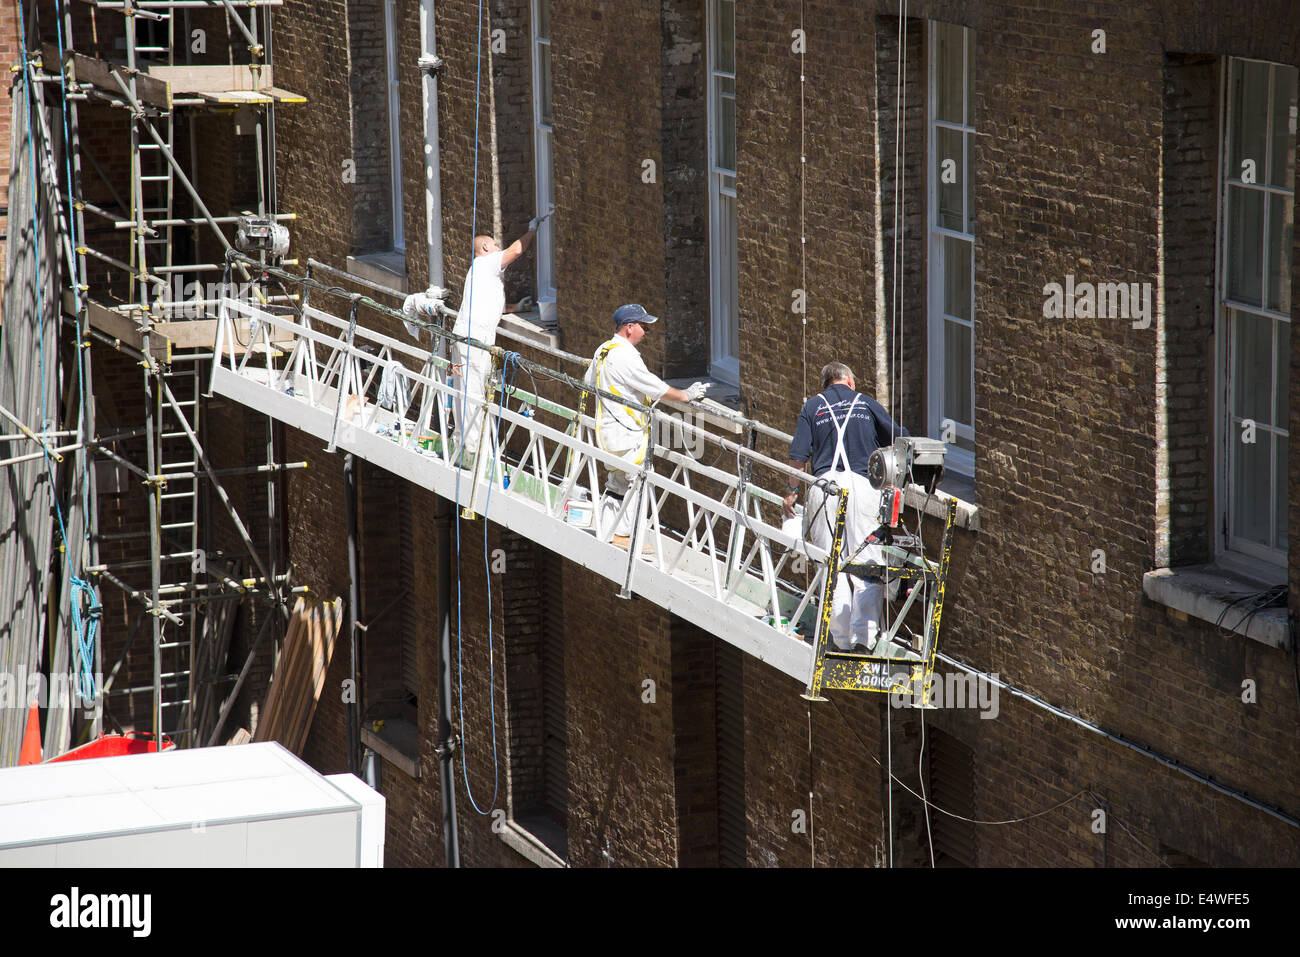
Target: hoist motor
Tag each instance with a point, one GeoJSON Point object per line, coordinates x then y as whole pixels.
{"type": "Point", "coordinates": [908, 459]}
{"type": "Point", "coordinates": [254, 234]}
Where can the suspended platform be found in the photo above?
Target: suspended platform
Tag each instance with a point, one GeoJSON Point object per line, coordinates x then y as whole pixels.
{"type": "Point", "coordinates": [894, 666]}
{"type": "Point", "coordinates": [711, 549]}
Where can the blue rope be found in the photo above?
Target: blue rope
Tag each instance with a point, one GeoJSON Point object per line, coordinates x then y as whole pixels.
{"type": "Point", "coordinates": [84, 637]}
{"type": "Point", "coordinates": [464, 431]}
{"type": "Point", "coordinates": [84, 633]}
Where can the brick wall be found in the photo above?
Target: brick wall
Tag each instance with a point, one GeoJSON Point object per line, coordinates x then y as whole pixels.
{"type": "Point", "coordinates": [684, 174]}
{"type": "Point", "coordinates": [11, 55]}
{"type": "Point", "coordinates": [1069, 165]}
{"type": "Point", "coordinates": [372, 191]}
{"type": "Point", "coordinates": [314, 140]}
{"type": "Point", "coordinates": [1184, 485]}
{"type": "Point", "coordinates": [900, 303]}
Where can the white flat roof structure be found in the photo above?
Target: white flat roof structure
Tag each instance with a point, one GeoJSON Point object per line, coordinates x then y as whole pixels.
{"type": "Point", "coordinates": [252, 805]}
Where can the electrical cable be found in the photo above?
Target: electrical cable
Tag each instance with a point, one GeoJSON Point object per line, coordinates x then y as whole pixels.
{"type": "Point", "coordinates": [464, 430]}
{"type": "Point", "coordinates": [920, 776]}
{"type": "Point", "coordinates": [931, 804]}
{"type": "Point", "coordinates": [803, 176]}
{"type": "Point", "coordinates": [1110, 817]}
{"type": "Point", "coordinates": [812, 839]}
{"type": "Point", "coordinates": [889, 792]}
{"type": "Point", "coordinates": [1255, 602]}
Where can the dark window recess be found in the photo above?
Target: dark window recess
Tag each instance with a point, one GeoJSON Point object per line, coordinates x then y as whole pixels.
{"type": "Point", "coordinates": [534, 612]}
{"type": "Point", "coordinates": [730, 717]}
{"type": "Point", "coordinates": [951, 786]}
{"type": "Point", "coordinates": [390, 642]}
{"type": "Point", "coordinates": [555, 744]}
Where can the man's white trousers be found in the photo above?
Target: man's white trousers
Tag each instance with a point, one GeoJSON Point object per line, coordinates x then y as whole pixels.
{"type": "Point", "coordinates": [857, 605]}
{"type": "Point", "coordinates": [470, 385]}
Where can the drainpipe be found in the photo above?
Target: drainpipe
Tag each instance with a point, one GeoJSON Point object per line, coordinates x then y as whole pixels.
{"type": "Point", "coordinates": [354, 600]}
{"type": "Point", "coordinates": [430, 64]}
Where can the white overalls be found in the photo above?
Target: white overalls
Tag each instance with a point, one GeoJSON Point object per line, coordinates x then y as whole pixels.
{"type": "Point", "coordinates": [622, 431]}
{"type": "Point", "coordinates": [856, 605]}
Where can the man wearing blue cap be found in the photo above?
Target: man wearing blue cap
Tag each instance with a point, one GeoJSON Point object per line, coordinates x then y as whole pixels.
{"type": "Point", "coordinates": [624, 430]}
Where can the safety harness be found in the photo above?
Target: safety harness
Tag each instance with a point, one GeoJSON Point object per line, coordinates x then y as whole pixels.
{"type": "Point", "coordinates": [627, 417]}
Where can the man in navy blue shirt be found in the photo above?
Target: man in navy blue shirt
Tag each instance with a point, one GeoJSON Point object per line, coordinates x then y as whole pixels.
{"type": "Point", "coordinates": [837, 431]}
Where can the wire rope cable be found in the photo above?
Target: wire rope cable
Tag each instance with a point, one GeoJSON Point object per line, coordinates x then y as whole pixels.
{"type": "Point", "coordinates": [463, 428]}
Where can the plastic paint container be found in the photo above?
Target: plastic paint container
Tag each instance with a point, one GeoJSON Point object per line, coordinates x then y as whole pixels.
{"type": "Point", "coordinates": [578, 512]}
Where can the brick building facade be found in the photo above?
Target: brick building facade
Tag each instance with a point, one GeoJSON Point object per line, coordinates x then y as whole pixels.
{"type": "Point", "coordinates": [1093, 155]}
{"type": "Point", "coordinates": [1088, 144]}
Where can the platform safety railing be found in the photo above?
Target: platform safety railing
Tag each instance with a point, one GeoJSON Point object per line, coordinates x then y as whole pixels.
{"type": "Point", "coordinates": [710, 527]}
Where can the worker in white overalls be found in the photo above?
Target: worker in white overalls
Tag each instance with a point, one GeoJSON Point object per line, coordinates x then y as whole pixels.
{"type": "Point", "coordinates": [624, 430]}
{"type": "Point", "coordinates": [837, 431]}
{"type": "Point", "coordinates": [481, 305]}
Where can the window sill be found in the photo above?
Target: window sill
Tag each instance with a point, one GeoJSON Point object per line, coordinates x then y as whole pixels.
{"type": "Point", "coordinates": [525, 325]}
{"type": "Point", "coordinates": [936, 505]}
{"type": "Point", "coordinates": [387, 269]}
{"type": "Point", "coordinates": [527, 845]}
{"type": "Point", "coordinates": [397, 742]}
{"type": "Point", "coordinates": [1207, 591]}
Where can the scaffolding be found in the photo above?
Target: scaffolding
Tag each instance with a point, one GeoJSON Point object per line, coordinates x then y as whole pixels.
{"type": "Point", "coordinates": [716, 555]}
{"type": "Point", "coordinates": [146, 241]}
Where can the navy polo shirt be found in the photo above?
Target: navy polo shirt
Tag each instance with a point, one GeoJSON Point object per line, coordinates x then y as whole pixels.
{"type": "Point", "coordinates": [869, 428]}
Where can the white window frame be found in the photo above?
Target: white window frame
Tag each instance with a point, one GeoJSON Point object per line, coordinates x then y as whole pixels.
{"type": "Point", "coordinates": [543, 168]}
{"type": "Point", "coordinates": [1248, 556]}
{"type": "Point", "coordinates": [958, 459]}
{"type": "Point", "coordinates": [394, 124]}
{"type": "Point", "coordinates": [724, 313]}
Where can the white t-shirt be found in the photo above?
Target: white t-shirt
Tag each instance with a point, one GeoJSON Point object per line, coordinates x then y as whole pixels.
{"type": "Point", "coordinates": [485, 293]}
{"type": "Point", "coordinates": [624, 373]}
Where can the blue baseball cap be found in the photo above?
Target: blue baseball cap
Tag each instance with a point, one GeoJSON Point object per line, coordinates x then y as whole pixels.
{"type": "Point", "coordinates": [632, 313]}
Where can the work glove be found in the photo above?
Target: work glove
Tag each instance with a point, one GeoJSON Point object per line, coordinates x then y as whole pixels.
{"type": "Point", "coordinates": [537, 221]}
{"type": "Point", "coordinates": [695, 391]}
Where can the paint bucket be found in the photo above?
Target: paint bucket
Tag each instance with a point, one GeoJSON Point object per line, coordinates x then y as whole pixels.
{"type": "Point", "coordinates": [578, 512]}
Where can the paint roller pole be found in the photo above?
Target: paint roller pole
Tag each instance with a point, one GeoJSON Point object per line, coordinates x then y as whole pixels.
{"type": "Point", "coordinates": [446, 744]}
{"type": "Point", "coordinates": [350, 504]}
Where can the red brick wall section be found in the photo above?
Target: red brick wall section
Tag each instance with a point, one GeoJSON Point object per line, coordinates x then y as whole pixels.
{"type": "Point", "coordinates": [900, 304]}
{"type": "Point", "coordinates": [512, 103]}
{"type": "Point", "coordinates": [695, 761]}
{"type": "Point", "coordinates": [1068, 169]}
{"type": "Point", "coordinates": [372, 192]}
{"type": "Point", "coordinates": [314, 140]}
{"type": "Point", "coordinates": [11, 55]}
{"type": "Point", "coordinates": [840, 199]}
{"type": "Point", "coordinates": [608, 107]}
{"type": "Point", "coordinates": [1184, 486]}
{"type": "Point", "coordinates": [684, 146]}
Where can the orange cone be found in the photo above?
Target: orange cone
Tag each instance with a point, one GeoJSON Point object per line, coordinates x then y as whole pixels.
{"type": "Point", "coordinates": [31, 752]}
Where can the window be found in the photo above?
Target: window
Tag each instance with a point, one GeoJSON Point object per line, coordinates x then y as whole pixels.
{"type": "Point", "coordinates": [951, 328]}
{"type": "Point", "coordinates": [1256, 222]}
{"type": "Point", "coordinates": [724, 358]}
{"type": "Point", "coordinates": [394, 124]}
{"type": "Point", "coordinates": [543, 157]}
